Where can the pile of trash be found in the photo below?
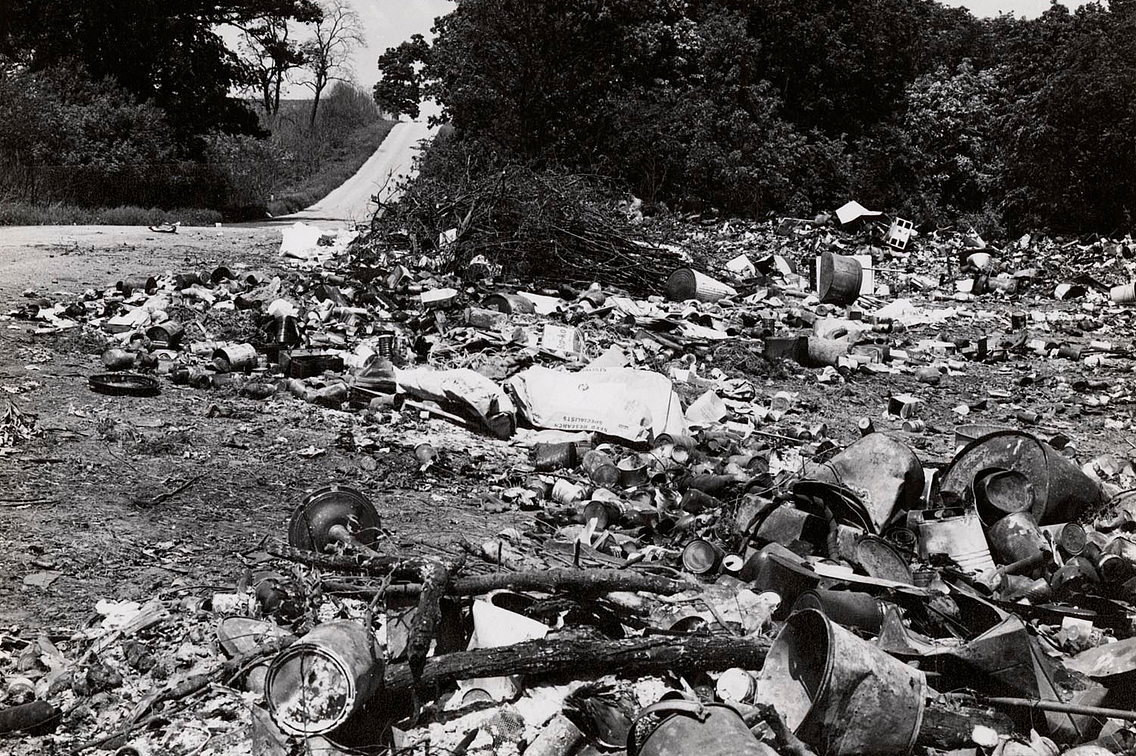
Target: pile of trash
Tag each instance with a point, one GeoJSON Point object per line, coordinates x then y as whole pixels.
{"type": "Point", "coordinates": [704, 570]}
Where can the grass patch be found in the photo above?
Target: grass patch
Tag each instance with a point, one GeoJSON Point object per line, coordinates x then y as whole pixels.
{"type": "Point", "coordinates": [345, 158]}
{"type": "Point", "coordinates": [59, 214]}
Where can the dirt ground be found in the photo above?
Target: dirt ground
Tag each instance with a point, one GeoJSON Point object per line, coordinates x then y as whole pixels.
{"type": "Point", "coordinates": [79, 499]}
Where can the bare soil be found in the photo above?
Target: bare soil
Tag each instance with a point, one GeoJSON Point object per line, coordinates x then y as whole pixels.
{"type": "Point", "coordinates": [78, 498]}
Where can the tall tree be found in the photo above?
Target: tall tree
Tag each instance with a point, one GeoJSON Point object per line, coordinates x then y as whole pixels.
{"type": "Point", "coordinates": [167, 52]}
{"type": "Point", "coordinates": [335, 35]}
{"type": "Point", "coordinates": [400, 88]}
{"type": "Point", "coordinates": [270, 54]}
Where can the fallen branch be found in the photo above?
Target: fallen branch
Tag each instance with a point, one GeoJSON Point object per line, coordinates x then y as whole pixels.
{"type": "Point", "coordinates": [405, 568]}
{"type": "Point", "coordinates": [574, 581]}
{"type": "Point", "coordinates": [581, 658]}
{"type": "Point", "coordinates": [192, 684]}
{"type": "Point", "coordinates": [435, 581]}
{"type": "Point", "coordinates": [577, 582]}
{"type": "Point", "coordinates": [168, 495]}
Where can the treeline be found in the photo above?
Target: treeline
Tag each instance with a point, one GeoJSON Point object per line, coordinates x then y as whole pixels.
{"type": "Point", "coordinates": [790, 106]}
{"type": "Point", "coordinates": [141, 102]}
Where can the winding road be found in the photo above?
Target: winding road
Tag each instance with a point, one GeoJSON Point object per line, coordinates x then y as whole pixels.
{"type": "Point", "coordinates": [391, 162]}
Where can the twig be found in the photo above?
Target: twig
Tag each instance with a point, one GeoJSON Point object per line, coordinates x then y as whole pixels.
{"type": "Point", "coordinates": [169, 494]}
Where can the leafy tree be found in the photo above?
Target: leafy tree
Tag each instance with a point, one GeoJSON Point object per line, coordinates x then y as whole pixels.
{"type": "Point", "coordinates": [1069, 142]}
{"type": "Point", "coordinates": [399, 91]}
{"type": "Point", "coordinates": [939, 159]}
{"type": "Point", "coordinates": [335, 35]}
{"type": "Point", "coordinates": [60, 116]}
{"type": "Point", "coordinates": [162, 51]}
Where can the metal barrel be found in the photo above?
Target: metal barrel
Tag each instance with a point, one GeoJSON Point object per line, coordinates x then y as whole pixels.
{"type": "Point", "coordinates": [848, 608]}
{"type": "Point", "coordinates": [1061, 491]}
{"type": "Point", "coordinates": [839, 693]}
{"type": "Point", "coordinates": [839, 278]}
{"type": "Point", "coordinates": [317, 683]}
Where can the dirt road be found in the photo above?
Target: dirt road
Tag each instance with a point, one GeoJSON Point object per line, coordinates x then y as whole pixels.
{"type": "Point", "coordinates": [52, 257]}
{"type": "Point", "coordinates": [351, 202]}
{"type": "Point", "coordinates": [75, 501]}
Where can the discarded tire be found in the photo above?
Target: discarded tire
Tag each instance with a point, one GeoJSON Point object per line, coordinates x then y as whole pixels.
{"type": "Point", "coordinates": [123, 384]}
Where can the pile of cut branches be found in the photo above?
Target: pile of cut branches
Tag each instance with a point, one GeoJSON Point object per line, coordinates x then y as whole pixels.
{"type": "Point", "coordinates": [536, 226]}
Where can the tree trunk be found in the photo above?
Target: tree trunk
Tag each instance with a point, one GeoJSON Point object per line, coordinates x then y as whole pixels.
{"type": "Point", "coordinates": [583, 659]}
{"type": "Point", "coordinates": [315, 103]}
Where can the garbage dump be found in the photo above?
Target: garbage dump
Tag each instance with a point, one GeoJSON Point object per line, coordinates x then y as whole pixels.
{"type": "Point", "coordinates": [695, 563]}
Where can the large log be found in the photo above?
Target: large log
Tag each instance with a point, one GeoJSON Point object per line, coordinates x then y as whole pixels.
{"type": "Point", "coordinates": [584, 659]}
{"type": "Point", "coordinates": [577, 582]}
{"type": "Point", "coordinates": [591, 582]}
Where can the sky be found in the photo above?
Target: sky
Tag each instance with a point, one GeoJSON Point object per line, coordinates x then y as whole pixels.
{"type": "Point", "coordinates": [1020, 8]}
{"type": "Point", "coordinates": [389, 22]}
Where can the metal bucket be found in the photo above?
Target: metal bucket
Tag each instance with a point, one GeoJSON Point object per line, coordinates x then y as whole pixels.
{"type": "Point", "coordinates": [315, 685]}
{"type": "Point", "coordinates": [838, 693]}
{"type": "Point", "coordinates": [701, 557]}
{"type": "Point", "coordinates": [235, 358]}
{"type": "Point", "coordinates": [600, 468]}
{"type": "Point", "coordinates": [1061, 491]}
{"type": "Point", "coordinates": [779, 570]}
{"type": "Point", "coordinates": [548, 457]}
{"type": "Point", "coordinates": [884, 473]}
{"type": "Point", "coordinates": [605, 513]}
{"type": "Point", "coordinates": [680, 727]}
{"type": "Point", "coordinates": [998, 493]}
{"type": "Point", "coordinates": [144, 284]}
{"type": "Point", "coordinates": [168, 333]}
{"type": "Point", "coordinates": [687, 283]}
{"type": "Point", "coordinates": [955, 532]}
{"type": "Point", "coordinates": [839, 278]}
